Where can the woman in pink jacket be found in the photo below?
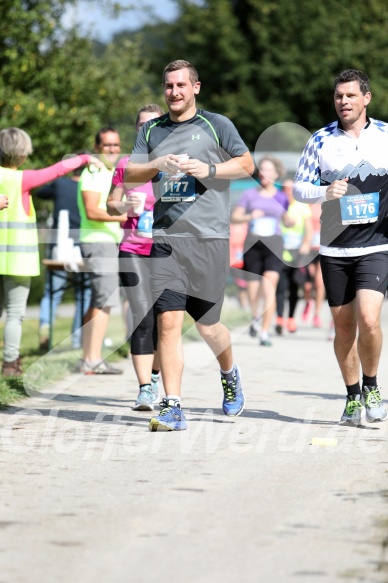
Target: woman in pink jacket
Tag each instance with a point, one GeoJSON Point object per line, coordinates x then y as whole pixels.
{"type": "Point", "coordinates": [19, 254]}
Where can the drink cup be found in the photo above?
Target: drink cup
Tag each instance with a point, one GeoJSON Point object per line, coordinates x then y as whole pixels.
{"type": "Point", "coordinates": [140, 207]}
{"type": "Point", "coordinates": [182, 158]}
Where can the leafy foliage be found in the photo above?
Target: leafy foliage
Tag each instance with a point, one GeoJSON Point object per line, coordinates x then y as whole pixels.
{"type": "Point", "coordinates": [55, 86]}
{"type": "Point", "coordinates": [61, 88]}
{"type": "Point", "coordinates": [262, 62]}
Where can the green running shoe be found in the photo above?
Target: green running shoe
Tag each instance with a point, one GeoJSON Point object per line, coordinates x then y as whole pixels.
{"type": "Point", "coordinates": [375, 410]}
{"type": "Point", "coordinates": [354, 411]}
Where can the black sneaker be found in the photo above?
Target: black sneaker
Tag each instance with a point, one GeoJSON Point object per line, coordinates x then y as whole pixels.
{"type": "Point", "coordinates": [253, 329]}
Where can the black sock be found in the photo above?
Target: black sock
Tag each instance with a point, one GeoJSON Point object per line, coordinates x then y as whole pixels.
{"type": "Point", "coordinates": [353, 389]}
{"type": "Point", "coordinates": [369, 381]}
{"type": "Point", "coordinates": [145, 385]}
{"type": "Point", "coordinates": [155, 372]}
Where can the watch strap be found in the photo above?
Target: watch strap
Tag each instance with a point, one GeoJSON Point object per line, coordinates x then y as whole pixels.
{"type": "Point", "coordinates": [212, 171]}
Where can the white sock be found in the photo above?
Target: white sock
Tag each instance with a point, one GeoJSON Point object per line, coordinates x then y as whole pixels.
{"type": "Point", "coordinates": [93, 363]}
{"type": "Point", "coordinates": [175, 398]}
{"type": "Point", "coordinates": [227, 371]}
{"type": "Point", "coordinates": [264, 335]}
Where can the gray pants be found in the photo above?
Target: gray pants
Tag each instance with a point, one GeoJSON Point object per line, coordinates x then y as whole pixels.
{"type": "Point", "coordinates": [14, 291]}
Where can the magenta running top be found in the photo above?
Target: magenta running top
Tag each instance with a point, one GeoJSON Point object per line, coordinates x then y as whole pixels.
{"type": "Point", "coordinates": [137, 236]}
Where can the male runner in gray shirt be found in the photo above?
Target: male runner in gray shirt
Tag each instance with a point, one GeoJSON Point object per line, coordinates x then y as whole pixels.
{"type": "Point", "coordinates": [190, 254]}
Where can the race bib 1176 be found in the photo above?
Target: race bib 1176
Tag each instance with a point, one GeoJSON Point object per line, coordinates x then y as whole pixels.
{"type": "Point", "coordinates": [360, 208]}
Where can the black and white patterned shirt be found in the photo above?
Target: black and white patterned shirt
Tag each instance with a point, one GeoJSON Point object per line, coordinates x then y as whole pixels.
{"type": "Point", "coordinates": [358, 224]}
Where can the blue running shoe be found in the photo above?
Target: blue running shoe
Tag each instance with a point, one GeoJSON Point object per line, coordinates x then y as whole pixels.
{"type": "Point", "coordinates": [170, 418]}
{"type": "Point", "coordinates": [233, 403]}
{"type": "Point", "coordinates": [145, 399]}
{"type": "Point", "coordinates": [155, 387]}
{"type": "Point", "coordinates": [375, 410]}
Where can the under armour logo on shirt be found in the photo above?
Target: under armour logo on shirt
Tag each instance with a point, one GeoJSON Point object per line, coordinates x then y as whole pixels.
{"type": "Point", "coordinates": [196, 137]}
{"type": "Point", "coordinates": [377, 277]}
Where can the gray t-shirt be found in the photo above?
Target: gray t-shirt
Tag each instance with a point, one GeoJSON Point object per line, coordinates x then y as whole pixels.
{"type": "Point", "coordinates": [188, 207]}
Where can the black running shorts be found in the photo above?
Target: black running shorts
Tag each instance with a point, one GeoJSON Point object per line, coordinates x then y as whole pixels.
{"type": "Point", "coordinates": [344, 276]}
{"type": "Point", "coordinates": [262, 255]}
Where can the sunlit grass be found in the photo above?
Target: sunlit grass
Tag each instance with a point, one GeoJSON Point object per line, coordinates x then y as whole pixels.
{"type": "Point", "coordinates": [57, 364]}
{"type": "Point", "coordinates": [45, 369]}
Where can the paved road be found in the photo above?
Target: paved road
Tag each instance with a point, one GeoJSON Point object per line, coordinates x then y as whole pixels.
{"type": "Point", "coordinates": [89, 495]}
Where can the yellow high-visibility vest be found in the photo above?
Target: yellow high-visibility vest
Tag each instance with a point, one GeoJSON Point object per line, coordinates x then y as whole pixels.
{"type": "Point", "coordinates": [19, 251]}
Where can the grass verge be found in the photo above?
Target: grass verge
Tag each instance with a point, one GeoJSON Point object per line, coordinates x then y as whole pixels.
{"type": "Point", "coordinates": [43, 370]}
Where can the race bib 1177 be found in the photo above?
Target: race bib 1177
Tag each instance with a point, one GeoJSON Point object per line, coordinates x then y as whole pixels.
{"type": "Point", "coordinates": [177, 190]}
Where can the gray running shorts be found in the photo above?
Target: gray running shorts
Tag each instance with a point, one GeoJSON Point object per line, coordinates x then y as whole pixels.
{"type": "Point", "coordinates": [190, 274]}
{"type": "Point", "coordinates": [102, 264]}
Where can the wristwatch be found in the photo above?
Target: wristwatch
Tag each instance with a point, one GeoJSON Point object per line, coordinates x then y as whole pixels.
{"type": "Point", "coordinates": [212, 171]}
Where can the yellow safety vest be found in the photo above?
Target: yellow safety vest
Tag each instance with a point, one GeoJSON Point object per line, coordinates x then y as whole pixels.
{"type": "Point", "coordinates": [19, 251]}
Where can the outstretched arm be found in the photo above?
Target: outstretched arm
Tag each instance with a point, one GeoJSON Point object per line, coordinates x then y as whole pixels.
{"type": "Point", "coordinates": [34, 178]}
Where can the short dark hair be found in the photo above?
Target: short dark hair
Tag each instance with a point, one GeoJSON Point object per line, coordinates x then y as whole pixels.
{"type": "Point", "coordinates": [181, 64]}
{"type": "Point", "coordinates": [150, 108]}
{"type": "Point", "coordinates": [106, 129]}
{"type": "Point", "coordinates": [353, 75]}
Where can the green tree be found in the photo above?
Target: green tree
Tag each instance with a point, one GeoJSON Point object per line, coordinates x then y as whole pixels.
{"type": "Point", "coordinates": [61, 87]}
{"type": "Point", "coordinates": [262, 62]}
{"type": "Point", "coordinates": [58, 87]}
